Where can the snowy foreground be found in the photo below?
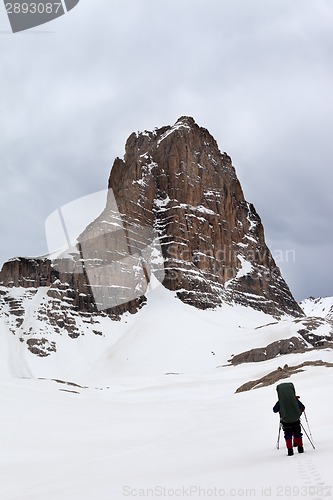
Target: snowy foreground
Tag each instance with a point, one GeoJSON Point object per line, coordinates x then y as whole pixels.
{"type": "Point", "coordinates": [155, 415]}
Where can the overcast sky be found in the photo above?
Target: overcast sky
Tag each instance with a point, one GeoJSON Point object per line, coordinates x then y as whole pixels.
{"type": "Point", "coordinates": [258, 74]}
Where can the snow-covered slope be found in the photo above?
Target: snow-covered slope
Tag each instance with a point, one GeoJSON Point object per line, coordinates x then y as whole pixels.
{"type": "Point", "coordinates": [165, 336]}
{"type": "Point", "coordinates": [321, 307]}
{"type": "Point", "coordinates": [171, 436]}
{"type": "Point", "coordinates": [146, 406]}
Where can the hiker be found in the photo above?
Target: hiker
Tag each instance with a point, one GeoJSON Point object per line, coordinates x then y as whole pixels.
{"type": "Point", "coordinates": [290, 408]}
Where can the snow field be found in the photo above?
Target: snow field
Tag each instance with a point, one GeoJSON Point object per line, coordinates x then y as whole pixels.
{"type": "Point", "coordinates": [156, 414]}
{"type": "Point", "coordinates": [170, 432]}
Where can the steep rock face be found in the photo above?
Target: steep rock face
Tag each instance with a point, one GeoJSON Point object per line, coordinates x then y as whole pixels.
{"type": "Point", "coordinates": [176, 180]}
{"type": "Point", "coordinates": [63, 277]}
{"type": "Point", "coordinates": [27, 272]}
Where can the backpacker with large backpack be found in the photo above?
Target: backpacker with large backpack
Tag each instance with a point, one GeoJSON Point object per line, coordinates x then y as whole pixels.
{"type": "Point", "coordinates": [290, 408]}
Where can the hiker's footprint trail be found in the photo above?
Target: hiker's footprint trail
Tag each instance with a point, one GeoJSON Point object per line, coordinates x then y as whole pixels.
{"type": "Point", "coordinates": [314, 486]}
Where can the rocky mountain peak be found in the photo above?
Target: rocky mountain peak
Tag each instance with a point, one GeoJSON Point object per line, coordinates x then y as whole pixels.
{"type": "Point", "coordinates": [175, 180]}
{"type": "Point", "coordinates": [175, 209]}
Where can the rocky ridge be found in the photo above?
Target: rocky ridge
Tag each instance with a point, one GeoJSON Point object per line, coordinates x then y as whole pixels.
{"type": "Point", "coordinates": [280, 374]}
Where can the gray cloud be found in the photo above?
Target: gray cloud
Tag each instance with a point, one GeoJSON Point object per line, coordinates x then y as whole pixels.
{"type": "Point", "coordinates": [257, 74]}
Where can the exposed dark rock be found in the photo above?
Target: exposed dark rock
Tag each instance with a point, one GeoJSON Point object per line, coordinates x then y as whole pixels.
{"type": "Point", "coordinates": [27, 272]}
{"type": "Point", "coordinates": [41, 347]}
{"type": "Point", "coordinates": [311, 324]}
{"type": "Point", "coordinates": [71, 384]}
{"type": "Point", "coordinates": [280, 347]}
{"type": "Point", "coordinates": [97, 332]}
{"type": "Point", "coordinates": [279, 374]}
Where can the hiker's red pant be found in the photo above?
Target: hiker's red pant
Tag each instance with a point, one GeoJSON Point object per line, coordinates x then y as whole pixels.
{"type": "Point", "coordinates": [292, 430]}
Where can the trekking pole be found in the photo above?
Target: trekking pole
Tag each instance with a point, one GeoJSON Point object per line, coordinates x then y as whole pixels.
{"type": "Point", "coordinates": [278, 439]}
{"type": "Point", "coordinates": [307, 435]}
{"type": "Point", "coordinates": [306, 418]}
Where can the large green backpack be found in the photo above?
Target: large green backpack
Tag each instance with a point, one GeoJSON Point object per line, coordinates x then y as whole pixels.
{"type": "Point", "coordinates": [289, 409]}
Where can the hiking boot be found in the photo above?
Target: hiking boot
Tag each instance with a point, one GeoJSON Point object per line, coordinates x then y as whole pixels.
{"type": "Point", "coordinates": [290, 452]}
{"type": "Point", "coordinates": [300, 449]}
